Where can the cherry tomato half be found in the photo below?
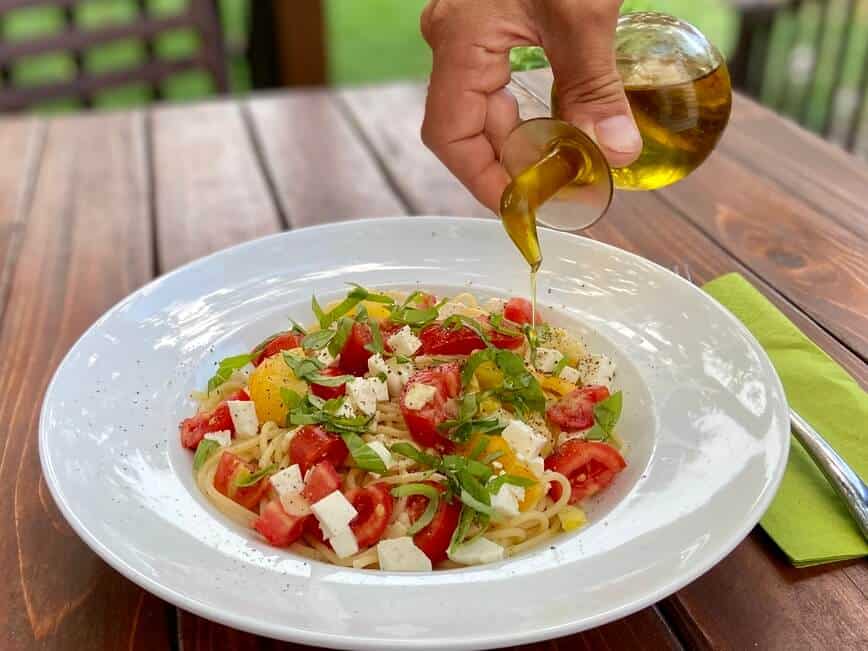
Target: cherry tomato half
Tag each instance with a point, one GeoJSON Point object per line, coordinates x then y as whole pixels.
{"type": "Point", "coordinates": [283, 341]}
{"type": "Point", "coordinates": [590, 466]}
{"type": "Point", "coordinates": [519, 310]}
{"type": "Point", "coordinates": [437, 340]}
{"type": "Point", "coordinates": [194, 429]}
{"type": "Point", "coordinates": [375, 505]}
{"type": "Point", "coordinates": [322, 480]}
{"type": "Point", "coordinates": [575, 411]}
{"type": "Point", "coordinates": [434, 539]}
{"type": "Point", "coordinates": [230, 470]}
{"type": "Point", "coordinates": [312, 444]}
{"type": "Point", "coordinates": [354, 355]}
{"type": "Point", "coordinates": [327, 393]}
{"type": "Point", "coordinates": [422, 423]}
{"type": "Point", "coordinates": [277, 526]}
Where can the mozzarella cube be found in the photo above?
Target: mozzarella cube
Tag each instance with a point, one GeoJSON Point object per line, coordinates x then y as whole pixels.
{"type": "Point", "coordinates": [450, 308]}
{"type": "Point", "coordinates": [419, 395]}
{"type": "Point", "coordinates": [523, 439]}
{"type": "Point", "coordinates": [481, 550]}
{"type": "Point", "coordinates": [494, 305]}
{"type": "Point", "coordinates": [223, 437]}
{"type": "Point", "coordinates": [570, 374]}
{"type": "Point", "coordinates": [365, 392]}
{"type": "Point", "coordinates": [404, 342]}
{"type": "Point", "coordinates": [295, 504]}
{"type": "Point", "coordinates": [334, 512]}
{"type": "Point", "coordinates": [402, 555]}
{"type": "Point", "coordinates": [288, 480]}
{"type": "Point", "coordinates": [244, 418]}
{"type": "Point", "coordinates": [505, 501]}
{"type": "Point", "coordinates": [597, 369]}
{"type": "Point", "coordinates": [345, 410]}
{"type": "Point", "coordinates": [397, 375]}
{"type": "Point", "coordinates": [344, 543]}
{"type": "Point", "coordinates": [547, 358]}
{"type": "Point", "coordinates": [324, 357]}
{"type": "Point", "coordinates": [537, 466]}
{"type": "Point", "coordinates": [377, 365]}
{"type": "Point", "coordinates": [383, 452]}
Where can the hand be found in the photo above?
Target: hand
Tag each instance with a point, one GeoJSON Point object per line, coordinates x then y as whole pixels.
{"type": "Point", "coordinates": [469, 113]}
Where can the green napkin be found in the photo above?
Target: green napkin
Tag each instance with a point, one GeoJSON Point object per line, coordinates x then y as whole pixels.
{"type": "Point", "coordinates": [807, 519]}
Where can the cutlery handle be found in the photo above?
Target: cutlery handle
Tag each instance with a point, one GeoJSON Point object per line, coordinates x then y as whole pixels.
{"type": "Point", "coordinates": [843, 478]}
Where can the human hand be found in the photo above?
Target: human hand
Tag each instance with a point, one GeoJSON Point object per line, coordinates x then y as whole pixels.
{"type": "Point", "coordinates": [469, 113]}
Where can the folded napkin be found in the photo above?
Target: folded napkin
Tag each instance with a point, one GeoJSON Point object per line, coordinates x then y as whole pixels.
{"type": "Point", "coordinates": [807, 519]}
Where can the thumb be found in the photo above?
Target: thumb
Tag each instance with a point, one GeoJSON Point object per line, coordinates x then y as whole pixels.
{"type": "Point", "coordinates": [580, 44]}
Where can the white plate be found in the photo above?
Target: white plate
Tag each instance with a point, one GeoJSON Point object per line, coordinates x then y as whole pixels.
{"type": "Point", "coordinates": [705, 418]}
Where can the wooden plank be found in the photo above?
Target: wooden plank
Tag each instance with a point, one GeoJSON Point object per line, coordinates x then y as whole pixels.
{"type": "Point", "coordinates": [390, 117]}
{"type": "Point", "coordinates": [210, 192]}
{"type": "Point", "coordinates": [21, 143]}
{"type": "Point", "coordinates": [319, 168]}
{"type": "Point", "coordinates": [816, 171]}
{"type": "Point", "coordinates": [81, 252]}
{"type": "Point", "coordinates": [644, 224]}
{"type": "Point", "coordinates": [807, 256]}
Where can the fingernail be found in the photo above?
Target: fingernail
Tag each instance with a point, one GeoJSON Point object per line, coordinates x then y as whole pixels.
{"type": "Point", "coordinates": [618, 133]}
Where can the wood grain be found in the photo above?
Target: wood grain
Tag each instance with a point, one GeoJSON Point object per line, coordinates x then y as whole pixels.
{"type": "Point", "coordinates": [210, 192]}
{"type": "Point", "coordinates": [807, 256]}
{"type": "Point", "coordinates": [320, 169]}
{"type": "Point", "coordinates": [390, 117]}
{"type": "Point", "coordinates": [85, 246]}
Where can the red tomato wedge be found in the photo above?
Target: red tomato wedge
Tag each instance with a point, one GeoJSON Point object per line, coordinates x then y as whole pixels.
{"type": "Point", "coordinates": [354, 355]}
{"type": "Point", "coordinates": [519, 310]}
{"type": "Point", "coordinates": [312, 527]}
{"type": "Point", "coordinates": [313, 444]}
{"type": "Point", "coordinates": [437, 340]}
{"type": "Point", "coordinates": [422, 423]}
{"type": "Point", "coordinates": [327, 393]}
{"type": "Point", "coordinates": [590, 467]}
{"type": "Point", "coordinates": [434, 539]}
{"type": "Point", "coordinates": [283, 341]}
{"type": "Point", "coordinates": [575, 411]}
{"type": "Point", "coordinates": [375, 505]}
{"type": "Point", "coordinates": [322, 480]}
{"type": "Point", "coordinates": [230, 470]}
{"type": "Point", "coordinates": [194, 429]}
{"type": "Point", "coordinates": [509, 342]}
{"type": "Point", "coordinates": [277, 526]}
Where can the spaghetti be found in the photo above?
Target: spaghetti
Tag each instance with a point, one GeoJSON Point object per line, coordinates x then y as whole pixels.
{"type": "Point", "coordinates": [403, 433]}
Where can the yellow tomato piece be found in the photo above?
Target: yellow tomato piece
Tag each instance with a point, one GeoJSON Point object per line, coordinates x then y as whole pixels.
{"type": "Point", "coordinates": [572, 517]}
{"type": "Point", "coordinates": [488, 406]}
{"type": "Point", "coordinates": [512, 466]}
{"type": "Point", "coordinates": [267, 380]}
{"type": "Point", "coordinates": [377, 311]}
{"type": "Point", "coordinates": [488, 376]}
{"type": "Point", "coordinates": [557, 385]}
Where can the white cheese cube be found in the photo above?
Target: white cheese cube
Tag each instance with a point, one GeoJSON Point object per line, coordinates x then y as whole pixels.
{"type": "Point", "coordinates": [345, 410]}
{"type": "Point", "coordinates": [288, 480]}
{"type": "Point", "coordinates": [334, 512]}
{"type": "Point", "coordinates": [244, 418]}
{"type": "Point", "coordinates": [324, 357]}
{"type": "Point", "coordinates": [597, 369]}
{"type": "Point", "coordinates": [494, 305]}
{"type": "Point", "coordinates": [383, 452]}
{"type": "Point", "coordinates": [381, 389]}
{"type": "Point", "coordinates": [481, 550]}
{"type": "Point", "coordinates": [397, 376]}
{"type": "Point", "coordinates": [419, 395]}
{"type": "Point", "coordinates": [377, 365]}
{"type": "Point", "coordinates": [570, 374]}
{"type": "Point", "coordinates": [547, 359]}
{"type": "Point", "coordinates": [364, 392]}
{"type": "Point", "coordinates": [344, 543]}
{"type": "Point", "coordinates": [404, 342]}
{"type": "Point", "coordinates": [402, 555]}
{"type": "Point", "coordinates": [505, 501]}
{"type": "Point", "coordinates": [223, 437]}
{"type": "Point", "coordinates": [523, 439]}
{"type": "Point", "coordinates": [295, 504]}
{"type": "Point", "coordinates": [450, 308]}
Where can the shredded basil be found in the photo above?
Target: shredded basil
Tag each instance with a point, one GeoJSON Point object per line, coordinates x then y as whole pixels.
{"type": "Point", "coordinates": [317, 340]}
{"type": "Point", "coordinates": [204, 450]}
{"type": "Point", "coordinates": [226, 368]}
{"type": "Point", "coordinates": [504, 327]}
{"type": "Point", "coordinates": [412, 452]}
{"type": "Point", "coordinates": [457, 320]}
{"type": "Point", "coordinates": [342, 333]}
{"type": "Point", "coordinates": [376, 346]}
{"type": "Point", "coordinates": [249, 479]}
{"type": "Point", "coordinates": [606, 415]}
{"type": "Point", "coordinates": [560, 366]}
{"type": "Point", "coordinates": [464, 521]}
{"type": "Point", "coordinates": [363, 454]}
{"type": "Point", "coordinates": [498, 482]}
{"type": "Point", "coordinates": [494, 456]}
{"type": "Point", "coordinates": [520, 388]}
{"type": "Point", "coordinates": [479, 448]}
{"type": "Point", "coordinates": [426, 490]}
{"type": "Point", "coordinates": [297, 328]}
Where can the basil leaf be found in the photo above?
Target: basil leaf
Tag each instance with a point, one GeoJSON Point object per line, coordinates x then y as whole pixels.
{"type": "Point", "coordinates": [475, 504]}
{"type": "Point", "coordinates": [370, 296]}
{"type": "Point", "coordinates": [479, 448]}
{"type": "Point", "coordinates": [317, 340]}
{"type": "Point", "coordinates": [297, 328]}
{"type": "Point", "coordinates": [504, 327]}
{"type": "Point", "coordinates": [204, 450]}
{"type": "Point", "coordinates": [291, 399]}
{"type": "Point", "coordinates": [475, 360]}
{"type": "Point", "coordinates": [596, 433]}
{"type": "Point", "coordinates": [457, 320]}
{"type": "Point", "coordinates": [560, 366]}
{"type": "Point", "coordinates": [412, 452]}
{"type": "Point", "coordinates": [318, 313]}
{"type": "Point", "coordinates": [608, 411]}
{"type": "Point", "coordinates": [363, 454]}
{"type": "Point", "coordinates": [494, 456]}
{"type": "Point", "coordinates": [258, 348]}
{"type": "Point", "coordinates": [226, 368]}
{"type": "Point", "coordinates": [498, 482]}
{"type": "Point", "coordinates": [251, 478]}
{"type": "Point", "coordinates": [376, 345]}
{"type": "Point", "coordinates": [464, 521]}
{"type": "Point", "coordinates": [415, 317]}
{"type": "Point", "coordinates": [426, 490]}
{"type": "Point", "coordinates": [336, 345]}
{"type": "Point", "coordinates": [303, 367]}
{"type": "Point", "coordinates": [328, 380]}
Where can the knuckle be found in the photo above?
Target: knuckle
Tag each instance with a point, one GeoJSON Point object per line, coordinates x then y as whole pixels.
{"type": "Point", "coordinates": [600, 88]}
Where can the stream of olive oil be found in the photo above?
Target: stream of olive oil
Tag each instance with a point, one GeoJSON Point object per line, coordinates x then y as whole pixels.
{"type": "Point", "coordinates": [562, 165]}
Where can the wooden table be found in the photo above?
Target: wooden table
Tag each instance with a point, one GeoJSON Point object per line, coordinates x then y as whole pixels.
{"type": "Point", "coordinates": [94, 206]}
